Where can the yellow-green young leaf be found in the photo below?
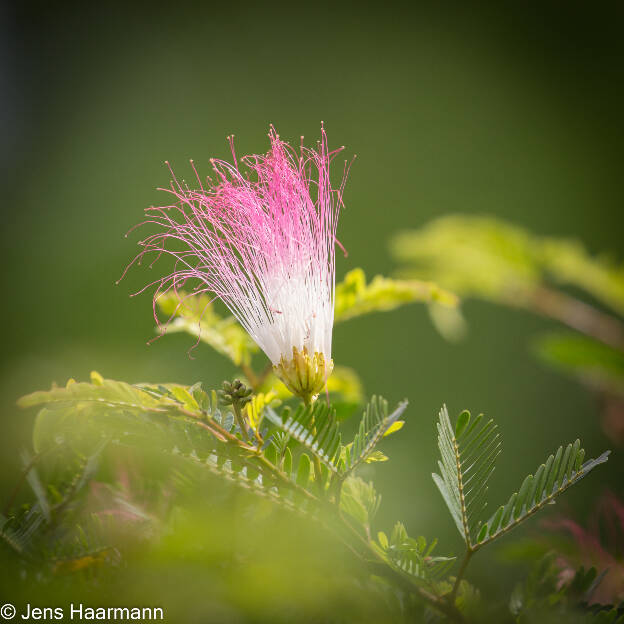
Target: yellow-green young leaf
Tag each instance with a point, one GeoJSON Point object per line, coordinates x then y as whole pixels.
{"type": "Point", "coordinates": [569, 262]}
{"type": "Point", "coordinates": [449, 322]}
{"type": "Point", "coordinates": [394, 427]}
{"type": "Point", "coordinates": [383, 540]}
{"type": "Point", "coordinates": [96, 378]}
{"type": "Point", "coordinates": [196, 315]}
{"type": "Point", "coordinates": [255, 408]}
{"type": "Point", "coordinates": [355, 297]}
{"type": "Point", "coordinates": [303, 471]}
{"type": "Point", "coordinates": [104, 392]}
{"type": "Point", "coordinates": [360, 500]}
{"type": "Point", "coordinates": [181, 394]}
{"type": "Point", "coordinates": [376, 420]}
{"type": "Point", "coordinates": [493, 259]}
{"type": "Point", "coordinates": [473, 256]}
{"type": "Point", "coordinates": [376, 456]}
{"type": "Point", "coordinates": [68, 412]}
{"type": "Point", "coordinates": [82, 562]}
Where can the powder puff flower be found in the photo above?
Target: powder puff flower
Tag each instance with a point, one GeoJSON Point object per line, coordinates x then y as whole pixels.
{"type": "Point", "coordinates": [264, 243]}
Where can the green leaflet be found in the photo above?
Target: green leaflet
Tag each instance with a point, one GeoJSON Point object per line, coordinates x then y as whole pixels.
{"type": "Point", "coordinates": [19, 535]}
{"type": "Point", "coordinates": [106, 394]}
{"type": "Point", "coordinates": [303, 471]}
{"type": "Point", "coordinates": [354, 297]}
{"type": "Point", "coordinates": [473, 256]}
{"type": "Point", "coordinates": [99, 393]}
{"type": "Point", "coordinates": [81, 413]}
{"type": "Point", "coordinates": [195, 315]}
{"type": "Point", "coordinates": [315, 427]}
{"type": "Point", "coordinates": [487, 257]}
{"type": "Point", "coordinates": [413, 556]}
{"type": "Point", "coordinates": [174, 419]}
{"type": "Point", "coordinates": [468, 454]}
{"type": "Point", "coordinates": [230, 464]}
{"type": "Point", "coordinates": [555, 476]}
{"type": "Point", "coordinates": [375, 424]}
{"type": "Point", "coordinates": [360, 500]}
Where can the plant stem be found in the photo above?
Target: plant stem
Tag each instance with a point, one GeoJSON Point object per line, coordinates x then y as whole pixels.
{"type": "Point", "coordinates": [576, 314]}
{"type": "Point", "coordinates": [460, 574]}
{"type": "Point", "coordinates": [240, 420]}
{"type": "Point", "coordinates": [307, 401]}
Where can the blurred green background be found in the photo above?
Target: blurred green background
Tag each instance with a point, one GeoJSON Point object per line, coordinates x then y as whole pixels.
{"type": "Point", "coordinates": [509, 110]}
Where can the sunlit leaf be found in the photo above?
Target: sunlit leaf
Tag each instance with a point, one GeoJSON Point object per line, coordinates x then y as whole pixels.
{"type": "Point", "coordinates": [493, 259]}
{"type": "Point", "coordinates": [315, 427]}
{"type": "Point", "coordinates": [360, 500]}
{"type": "Point", "coordinates": [414, 556]}
{"type": "Point", "coordinates": [472, 256]}
{"type": "Point", "coordinates": [354, 297]}
{"type": "Point", "coordinates": [196, 315]}
{"type": "Point", "coordinates": [375, 424]}
{"type": "Point", "coordinates": [255, 408]}
{"type": "Point", "coordinates": [568, 262]}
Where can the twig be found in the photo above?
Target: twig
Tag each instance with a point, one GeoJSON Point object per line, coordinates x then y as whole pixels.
{"type": "Point", "coordinates": [576, 314]}
{"type": "Point", "coordinates": [240, 420]}
{"type": "Point", "coordinates": [460, 574]}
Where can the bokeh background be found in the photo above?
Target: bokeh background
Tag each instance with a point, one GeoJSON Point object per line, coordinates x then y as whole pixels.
{"type": "Point", "coordinates": [511, 110]}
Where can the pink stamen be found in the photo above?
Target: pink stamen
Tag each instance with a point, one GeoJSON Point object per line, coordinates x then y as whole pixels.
{"type": "Point", "coordinates": [262, 241]}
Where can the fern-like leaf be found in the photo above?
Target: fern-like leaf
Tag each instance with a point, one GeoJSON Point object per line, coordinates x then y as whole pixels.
{"type": "Point", "coordinates": [551, 479]}
{"type": "Point", "coordinates": [414, 556]}
{"type": "Point", "coordinates": [20, 533]}
{"type": "Point", "coordinates": [360, 500]}
{"type": "Point", "coordinates": [169, 415]}
{"type": "Point", "coordinates": [315, 428]}
{"type": "Point", "coordinates": [354, 297]}
{"type": "Point", "coordinates": [196, 315]}
{"type": "Point", "coordinates": [375, 424]}
{"type": "Point", "coordinates": [468, 454]}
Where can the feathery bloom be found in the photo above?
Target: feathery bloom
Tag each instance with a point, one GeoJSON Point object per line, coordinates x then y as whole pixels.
{"type": "Point", "coordinates": [264, 243]}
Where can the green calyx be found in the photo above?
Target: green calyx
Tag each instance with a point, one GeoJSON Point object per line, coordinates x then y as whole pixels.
{"type": "Point", "coordinates": [304, 375]}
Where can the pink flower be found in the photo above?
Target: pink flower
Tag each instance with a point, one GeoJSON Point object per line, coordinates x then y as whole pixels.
{"type": "Point", "coordinates": [264, 243]}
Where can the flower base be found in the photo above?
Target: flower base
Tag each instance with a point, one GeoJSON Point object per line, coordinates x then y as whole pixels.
{"type": "Point", "coordinates": [304, 375]}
